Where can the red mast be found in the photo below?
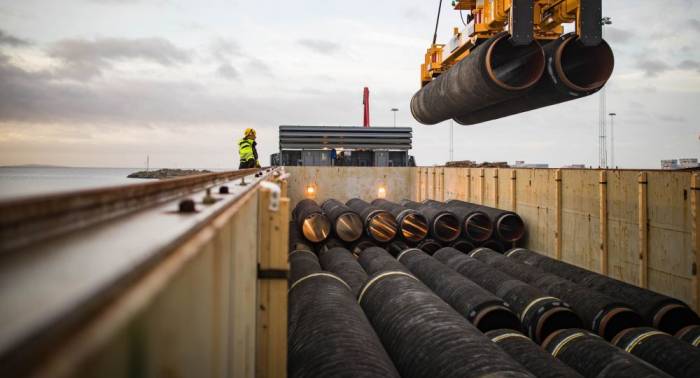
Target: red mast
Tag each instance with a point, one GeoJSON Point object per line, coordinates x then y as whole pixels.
{"type": "Point", "coordinates": [365, 102]}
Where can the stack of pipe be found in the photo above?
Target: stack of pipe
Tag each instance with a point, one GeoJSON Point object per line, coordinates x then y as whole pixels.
{"type": "Point", "coordinates": [379, 224]}
{"type": "Point", "coordinates": [311, 222]}
{"type": "Point", "coordinates": [661, 350]}
{"type": "Point", "coordinates": [347, 225]}
{"type": "Point", "coordinates": [444, 226]}
{"type": "Point", "coordinates": [321, 303]}
{"type": "Point", "coordinates": [413, 226]}
{"type": "Point", "coordinates": [429, 246]}
{"type": "Point", "coordinates": [296, 239]}
{"type": "Point", "coordinates": [660, 311]}
{"type": "Point", "coordinates": [481, 308]}
{"type": "Point", "coordinates": [424, 335]}
{"type": "Point", "coordinates": [690, 334]}
{"type": "Point", "coordinates": [592, 356]}
{"type": "Point", "coordinates": [540, 313]}
{"type": "Point", "coordinates": [601, 313]}
{"type": "Point", "coordinates": [477, 226]}
{"type": "Point", "coordinates": [508, 227]}
{"type": "Point", "coordinates": [342, 263]}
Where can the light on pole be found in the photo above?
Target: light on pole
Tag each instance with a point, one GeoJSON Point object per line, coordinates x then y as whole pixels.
{"type": "Point", "coordinates": [612, 140]}
{"type": "Point", "coordinates": [602, 104]}
{"type": "Point", "coordinates": [394, 110]}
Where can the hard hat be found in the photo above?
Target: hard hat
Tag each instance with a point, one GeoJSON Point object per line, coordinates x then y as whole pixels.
{"type": "Point", "coordinates": [249, 131]}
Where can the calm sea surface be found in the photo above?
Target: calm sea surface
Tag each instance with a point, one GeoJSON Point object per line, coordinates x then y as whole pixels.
{"type": "Point", "coordinates": [28, 181]}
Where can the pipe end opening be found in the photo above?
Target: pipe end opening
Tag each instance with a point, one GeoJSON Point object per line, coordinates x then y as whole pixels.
{"type": "Point", "coordinates": [555, 319]}
{"type": "Point", "coordinates": [584, 68]}
{"type": "Point", "coordinates": [383, 227]}
{"type": "Point", "coordinates": [618, 320]}
{"type": "Point", "coordinates": [316, 228]}
{"type": "Point", "coordinates": [414, 227]}
{"type": "Point", "coordinates": [510, 228]}
{"type": "Point", "coordinates": [447, 227]}
{"type": "Point", "coordinates": [515, 68]}
{"type": "Point", "coordinates": [478, 227]}
{"type": "Point", "coordinates": [349, 227]}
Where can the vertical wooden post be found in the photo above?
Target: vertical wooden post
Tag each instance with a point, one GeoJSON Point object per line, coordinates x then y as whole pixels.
{"type": "Point", "coordinates": [442, 183]}
{"type": "Point", "coordinates": [419, 185]}
{"type": "Point", "coordinates": [513, 190]}
{"type": "Point", "coordinates": [495, 188]}
{"type": "Point", "coordinates": [558, 212]}
{"type": "Point", "coordinates": [273, 266]}
{"type": "Point", "coordinates": [427, 183]}
{"type": "Point", "coordinates": [482, 186]}
{"type": "Point", "coordinates": [695, 211]}
{"type": "Point", "coordinates": [643, 231]}
{"type": "Point", "coordinates": [469, 185]}
{"type": "Point", "coordinates": [603, 190]}
{"type": "Point", "coordinates": [434, 195]}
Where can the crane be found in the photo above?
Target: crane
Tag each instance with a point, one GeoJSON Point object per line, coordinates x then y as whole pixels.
{"type": "Point", "coordinates": [513, 56]}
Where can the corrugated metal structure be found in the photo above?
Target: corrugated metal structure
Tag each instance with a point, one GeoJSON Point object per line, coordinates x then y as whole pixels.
{"type": "Point", "coordinates": [344, 146]}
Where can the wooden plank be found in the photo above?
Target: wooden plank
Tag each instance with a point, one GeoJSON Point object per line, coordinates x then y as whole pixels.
{"type": "Point", "coordinates": [469, 185]}
{"type": "Point", "coordinates": [419, 185]}
{"type": "Point", "coordinates": [695, 211]}
{"type": "Point", "coordinates": [434, 182]}
{"type": "Point", "coordinates": [442, 184]}
{"type": "Point", "coordinates": [495, 188]}
{"type": "Point", "coordinates": [643, 231]}
{"type": "Point", "coordinates": [513, 190]}
{"type": "Point", "coordinates": [603, 194]}
{"type": "Point", "coordinates": [482, 186]}
{"type": "Point", "coordinates": [558, 214]}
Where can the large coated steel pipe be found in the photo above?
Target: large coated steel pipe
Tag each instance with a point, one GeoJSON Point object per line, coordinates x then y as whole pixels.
{"type": "Point", "coordinates": [601, 313]}
{"type": "Point", "coordinates": [592, 356]}
{"type": "Point", "coordinates": [312, 223]}
{"type": "Point", "coordinates": [296, 239]}
{"type": "Point", "coordinates": [662, 350]}
{"type": "Point", "coordinates": [535, 359]}
{"type": "Point", "coordinates": [444, 226]}
{"type": "Point", "coordinates": [690, 334]}
{"type": "Point", "coordinates": [342, 263]}
{"type": "Point", "coordinates": [377, 259]}
{"type": "Point", "coordinates": [493, 72]}
{"type": "Point", "coordinates": [412, 224]}
{"type": "Point", "coordinates": [429, 246]}
{"type": "Point", "coordinates": [380, 225]}
{"type": "Point", "coordinates": [476, 225]}
{"type": "Point", "coordinates": [424, 336]}
{"type": "Point", "coordinates": [360, 245]}
{"type": "Point", "coordinates": [660, 311]}
{"type": "Point", "coordinates": [329, 335]}
{"type": "Point", "coordinates": [481, 308]}
{"type": "Point", "coordinates": [494, 245]}
{"type": "Point", "coordinates": [464, 246]}
{"type": "Point", "coordinates": [573, 71]}
{"type": "Point", "coordinates": [347, 224]}
{"type": "Point", "coordinates": [540, 314]}
{"type": "Point", "coordinates": [508, 226]}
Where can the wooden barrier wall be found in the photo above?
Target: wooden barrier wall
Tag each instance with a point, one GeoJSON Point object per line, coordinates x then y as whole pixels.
{"type": "Point", "coordinates": [641, 227]}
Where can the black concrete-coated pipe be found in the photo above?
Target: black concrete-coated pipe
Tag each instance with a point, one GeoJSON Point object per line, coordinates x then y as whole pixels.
{"type": "Point", "coordinates": [329, 335]}
{"type": "Point", "coordinates": [296, 239]}
{"type": "Point", "coordinates": [476, 225]}
{"type": "Point", "coordinates": [444, 226]}
{"type": "Point", "coordinates": [413, 226]}
{"type": "Point", "coordinates": [601, 313]}
{"type": "Point", "coordinates": [342, 263]}
{"type": "Point", "coordinates": [659, 311]}
{"type": "Point", "coordinates": [380, 225]}
{"type": "Point", "coordinates": [592, 356]}
{"type": "Point", "coordinates": [493, 72]}
{"type": "Point", "coordinates": [573, 71]}
{"type": "Point", "coordinates": [424, 336]}
{"type": "Point", "coordinates": [361, 244]}
{"type": "Point", "coordinates": [535, 359]}
{"type": "Point", "coordinates": [508, 226]}
{"type": "Point", "coordinates": [494, 245]}
{"type": "Point", "coordinates": [377, 259]}
{"type": "Point", "coordinates": [690, 334]}
{"type": "Point", "coordinates": [347, 224]}
{"type": "Point", "coordinates": [464, 246]}
{"type": "Point", "coordinates": [483, 309]}
{"type": "Point", "coordinates": [311, 221]}
{"type": "Point", "coordinates": [662, 350]}
{"type": "Point", "coordinates": [540, 314]}
{"type": "Point", "coordinates": [429, 246]}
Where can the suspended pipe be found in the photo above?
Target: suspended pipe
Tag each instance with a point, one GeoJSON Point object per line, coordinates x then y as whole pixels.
{"type": "Point", "coordinates": [660, 311]}
{"type": "Point", "coordinates": [476, 225]}
{"type": "Point", "coordinates": [296, 239]}
{"type": "Point", "coordinates": [507, 225]}
{"type": "Point", "coordinates": [347, 225]}
{"type": "Point", "coordinates": [429, 246]}
{"type": "Point", "coordinates": [573, 71]}
{"type": "Point", "coordinates": [662, 350]}
{"type": "Point", "coordinates": [539, 313]}
{"type": "Point", "coordinates": [592, 356]}
{"type": "Point", "coordinates": [342, 263]}
{"type": "Point", "coordinates": [413, 226]}
{"type": "Point", "coordinates": [464, 246]}
{"type": "Point", "coordinates": [310, 220]}
{"type": "Point", "coordinates": [527, 353]}
{"type": "Point", "coordinates": [493, 72]}
{"type": "Point", "coordinates": [328, 332]}
{"type": "Point", "coordinates": [424, 336]}
{"type": "Point", "coordinates": [602, 314]}
{"type": "Point", "coordinates": [380, 225]}
{"type": "Point", "coordinates": [444, 226]}
{"type": "Point", "coordinates": [481, 308]}
{"type": "Point", "coordinates": [690, 334]}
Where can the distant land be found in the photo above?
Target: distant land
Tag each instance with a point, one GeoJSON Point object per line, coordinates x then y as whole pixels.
{"type": "Point", "coordinates": [167, 173]}
{"type": "Point", "coordinates": [34, 166]}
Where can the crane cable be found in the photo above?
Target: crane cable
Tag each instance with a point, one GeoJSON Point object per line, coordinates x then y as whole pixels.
{"type": "Point", "coordinates": [437, 22]}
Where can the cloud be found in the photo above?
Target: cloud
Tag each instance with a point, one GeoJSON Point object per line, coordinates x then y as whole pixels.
{"type": "Point", "coordinates": [616, 35]}
{"type": "Point", "coordinates": [10, 40]}
{"type": "Point", "coordinates": [671, 118]}
{"type": "Point", "coordinates": [652, 67]}
{"type": "Point", "coordinates": [690, 65]}
{"type": "Point", "coordinates": [84, 59]}
{"type": "Point", "coordinates": [695, 24]}
{"type": "Point", "coordinates": [320, 46]}
{"type": "Point", "coordinates": [227, 71]}
{"type": "Point", "coordinates": [224, 49]}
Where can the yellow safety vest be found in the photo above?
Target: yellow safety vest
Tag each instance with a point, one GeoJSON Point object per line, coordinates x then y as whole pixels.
{"type": "Point", "coordinates": [245, 149]}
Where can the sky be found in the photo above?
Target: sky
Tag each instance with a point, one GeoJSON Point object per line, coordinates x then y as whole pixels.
{"type": "Point", "coordinates": [105, 83]}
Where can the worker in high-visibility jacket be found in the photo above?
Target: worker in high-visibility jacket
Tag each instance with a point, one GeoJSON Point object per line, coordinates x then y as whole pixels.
{"type": "Point", "coordinates": [247, 151]}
